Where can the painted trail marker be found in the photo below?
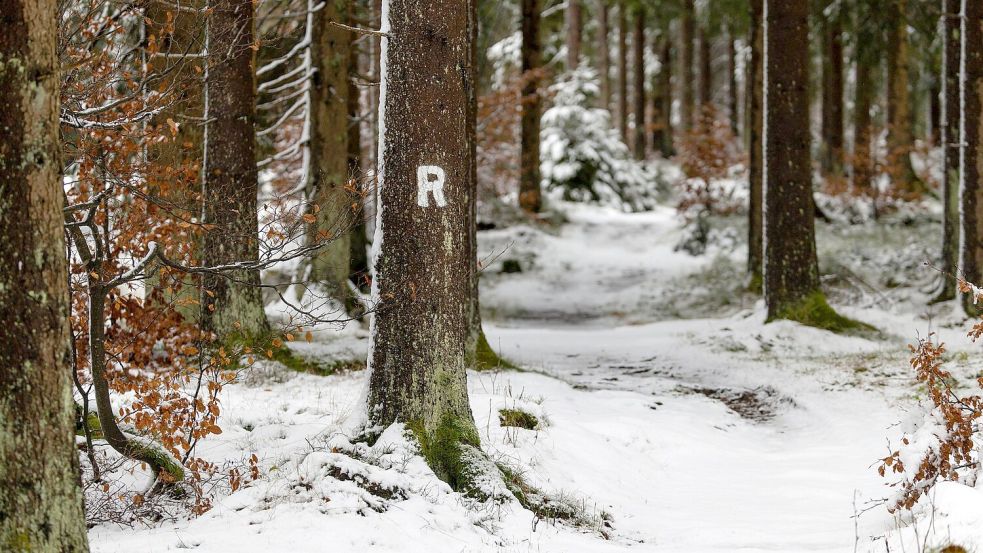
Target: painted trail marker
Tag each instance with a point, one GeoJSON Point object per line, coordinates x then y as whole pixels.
{"type": "Point", "coordinates": [425, 186]}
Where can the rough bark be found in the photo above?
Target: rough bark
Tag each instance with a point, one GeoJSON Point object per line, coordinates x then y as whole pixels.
{"type": "Point", "coordinates": [359, 267]}
{"type": "Point", "coordinates": [791, 267]}
{"type": "Point", "coordinates": [530, 193]}
{"type": "Point", "coordinates": [949, 139]}
{"type": "Point", "coordinates": [424, 272]}
{"type": "Point", "coordinates": [329, 168]}
{"type": "Point", "coordinates": [732, 85]}
{"type": "Point", "coordinates": [971, 160]}
{"type": "Point", "coordinates": [603, 54]}
{"type": "Point", "coordinates": [638, 82]}
{"type": "Point", "coordinates": [832, 150]}
{"type": "Point", "coordinates": [232, 305]}
{"type": "Point", "coordinates": [40, 503]}
{"type": "Point", "coordinates": [686, 37]}
{"type": "Point", "coordinates": [662, 99]}
{"type": "Point", "coordinates": [622, 70]}
{"type": "Point", "coordinates": [755, 117]}
{"type": "Point", "coordinates": [899, 136]}
{"type": "Point", "coordinates": [862, 124]}
{"type": "Point", "coordinates": [575, 29]}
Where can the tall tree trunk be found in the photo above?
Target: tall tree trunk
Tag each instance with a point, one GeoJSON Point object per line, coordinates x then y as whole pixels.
{"type": "Point", "coordinates": [40, 500]}
{"type": "Point", "coordinates": [424, 272]}
{"type": "Point", "coordinates": [732, 84]}
{"type": "Point", "coordinates": [530, 194]}
{"type": "Point", "coordinates": [686, 38]}
{"type": "Point", "coordinates": [662, 99]}
{"type": "Point", "coordinates": [575, 29]}
{"type": "Point", "coordinates": [359, 269]}
{"type": "Point", "coordinates": [755, 117]}
{"type": "Point", "coordinates": [603, 54]}
{"type": "Point", "coordinates": [329, 171]}
{"type": "Point", "coordinates": [949, 139]}
{"type": "Point", "coordinates": [791, 267]}
{"type": "Point", "coordinates": [623, 70]}
{"type": "Point", "coordinates": [971, 159]}
{"type": "Point", "coordinates": [862, 124]}
{"type": "Point", "coordinates": [638, 81]}
{"type": "Point", "coordinates": [899, 137]}
{"type": "Point", "coordinates": [706, 70]}
{"type": "Point", "coordinates": [833, 96]}
{"type": "Point", "coordinates": [232, 306]}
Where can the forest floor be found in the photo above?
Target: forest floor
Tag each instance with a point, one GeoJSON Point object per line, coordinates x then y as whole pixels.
{"type": "Point", "coordinates": [671, 418]}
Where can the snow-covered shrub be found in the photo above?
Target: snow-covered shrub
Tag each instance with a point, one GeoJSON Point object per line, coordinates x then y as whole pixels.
{"type": "Point", "coordinates": [582, 158]}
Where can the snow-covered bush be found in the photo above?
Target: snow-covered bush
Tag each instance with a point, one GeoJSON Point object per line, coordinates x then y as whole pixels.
{"type": "Point", "coordinates": [582, 158]}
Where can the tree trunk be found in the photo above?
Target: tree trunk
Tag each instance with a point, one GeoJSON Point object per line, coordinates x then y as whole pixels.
{"type": "Point", "coordinates": [755, 117]}
{"type": "Point", "coordinates": [40, 500]}
{"type": "Point", "coordinates": [359, 267]}
{"type": "Point", "coordinates": [662, 99]}
{"type": "Point", "coordinates": [862, 125]}
{"type": "Point", "coordinates": [948, 133]}
{"type": "Point", "coordinates": [833, 97]}
{"type": "Point", "coordinates": [971, 160]}
{"type": "Point", "coordinates": [623, 71]}
{"type": "Point", "coordinates": [706, 71]}
{"type": "Point", "coordinates": [232, 306]}
{"type": "Point", "coordinates": [329, 169]}
{"type": "Point", "coordinates": [791, 267]}
{"type": "Point", "coordinates": [530, 194]}
{"type": "Point", "coordinates": [732, 85]}
{"type": "Point", "coordinates": [899, 138]}
{"type": "Point", "coordinates": [603, 55]}
{"type": "Point", "coordinates": [424, 272]}
{"type": "Point", "coordinates": [574, 33]}
{"type": "Point", "coordinates": [687, 32]}
{"type": "Point", "coordinates": [638, 81]}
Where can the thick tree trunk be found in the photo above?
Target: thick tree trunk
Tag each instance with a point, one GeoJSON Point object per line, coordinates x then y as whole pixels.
{"type": "Point", "coordinates": [949, 139]}
{"type": "Point", "coordinates": [425, 270]}
{"type": "Point", "coordinates": [329, 168]}
{"type": "Point", "coordinates": [623, 71]}
{"type": "Point", "coordinates": [791, 267]}
{"type": "Point", "coordinates": [232, 306]}
{"type": "Point", "coordinates": [638, 82]}
{"type": "Point", "coordinates": [662, 99]}
{"type": "Point", "coordinates": [832, 149]}
{"type": "Point", "coordinates": [686, 38]}
{"type": "Point", "coordinates": [575, 28]}
{"type": "Point", "coordinates": [530, 194]}
{"type": "Point", "coordinates": [603, 53]}
{"type": "Point", "coordinates": [899, 137]}
{"type": "Point", "coordinates": [755, 117]}
{"type": "Point", "coordinates": [971, 160]}
{"type": "Point", "coordinates": [706, 70]}
{"type": "Point", "coordinates": [40, 501]}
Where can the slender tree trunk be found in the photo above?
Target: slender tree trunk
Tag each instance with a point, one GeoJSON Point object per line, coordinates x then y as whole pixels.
{"type": "Point", "coordinates": [949, 139]}
{"type": "Point", "coordinates": [732, 85]}
{"type": "Point", "coordinates": [40, 500]}
{"type": "Point", "coordinates": [232, 306]}
{"type": "Point", "coordinates": [662, 99]}
{"type": "Point", "coordinates": [530, 194]}
{"type": "Point", "coordinates": [755, 116]}
{"type": "Point", "coordinates": [575, 29]}
{"type": "Point", "coordinates": [832, 150]}
{"type": "Point", "coordinates": [971, 159]}
{"type": "Point", "coordinates": [638, 81]}
{"type": "Point", "coordinates": [425, 269]}
{"type": "Point", "coordinates": [329, 168]}
{"type": "Point", "coordinates": [623, 70]}
{"type": "Point", "coordinates": [687, 32]}
{"type": "Point", "coordinates": [791, 267]}
{"type": "Point", "coordinates": [603, 54]}
{"type": "Point", "coordinates": [359, 269]}
{"type": "Point", "coordinates": [706, 70]}
{"type": "Point", "coordinates": [899, 137]}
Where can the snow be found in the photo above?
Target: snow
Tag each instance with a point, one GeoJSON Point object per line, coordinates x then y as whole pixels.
{"type": "Point", "coordinates": [669, 413]}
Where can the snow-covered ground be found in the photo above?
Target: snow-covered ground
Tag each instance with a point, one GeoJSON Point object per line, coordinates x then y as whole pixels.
{"type": "Point", "coordinates": [670, 416]}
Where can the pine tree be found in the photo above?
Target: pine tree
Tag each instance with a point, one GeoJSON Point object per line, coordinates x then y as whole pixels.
{"type": "Point", "coordinates": [622, 71]}
{"type": "Point", "coordinates": [971, 159]}
{"type": "Point", "coordinates": [662, 97]}
{"type": "Point", "coordinates": [755, 120]}
{"type": "Point", "coordinates": [574, 33]}
{"type": "Point", "coordinates": [603, 54]}
{"type": "Point", "coordinates": [424, 279]}
{"type": "Point", "coordinates": [232, 306]}
{"type": "Point", "coordinates": [530, 193]}
{"type": "Point", "coordinates": [40, 500]}
{"type": "Point", "coordinates": [949, 139]}
{"type": "Point", "coordinates": [686, 38]}
{"type": "Point", "coordinates": [638, 81]}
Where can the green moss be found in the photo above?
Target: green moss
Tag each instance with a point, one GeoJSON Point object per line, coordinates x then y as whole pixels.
{"type": "Point", "coordinates": [445, 451]}
{"type": "Point", "coordinates": [19, 542]}
{"type": "Point", "coordinates": [155, 455]}
{"type": "Point", "coordinates": [485, 358]}
{"type": "Point", "coordinates": [755, 283]}
{"type": "Point", "coordinates": [814, 311]}
{"type": "Point", "coordinates": [302, 364]}
{"type": "Point", "coordinates": [92, 421]}
{"type": "Point", "coordinates": [517, 418]}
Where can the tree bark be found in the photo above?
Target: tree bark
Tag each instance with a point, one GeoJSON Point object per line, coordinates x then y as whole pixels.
{"type": "Point", "coordinates": [328, 185]}
{"type": "Point", "coordinates": [662, 99]}
{"type": "Point", "coordinates": [603, 54]}
{"type": "Point", "coordinates": [791, 267]}
{"type": "Point", "coordinates": [686, 37]}
{"type": "Point", "coordinates": [623, 71]}
{"type": "Point", "coordinates": [530, 194]}
{"type": "Point", "coordinates": [359, 267]}
{"type": "Point", "coordinates": [948, 133]}
{"type": "Point", "coordinates": [833, 97]}
{"type": "Point", "coordinates": [971, 159]}
{"type": "Point", "coordinates": [638, 82]}
{"type": "Point", "coordinates": [706, 70]}
{"type": "Point", "coordinates": [755, 117]}
{"type": "Point", "coordinates": [232, 306]}
{"type": "Point", "coordinates": [425, 270]}
{"type": "Point", "coordinates": [899, 136]}
{"type": "Point", "coordinates": [575, 29]}
{"type": "Point", "coordinates": [732, 85]}
{"type": "Point", "coordinates": [40, 501]}
{"type": "Point", "coordinates": [863, 99]}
